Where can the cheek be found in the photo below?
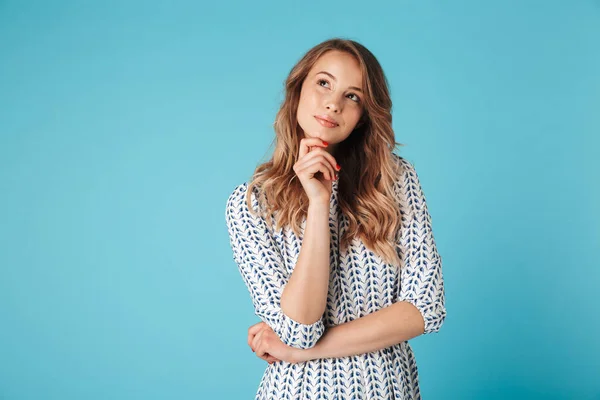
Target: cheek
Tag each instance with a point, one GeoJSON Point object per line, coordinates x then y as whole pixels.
{"type": "Point", "coordinates": [313, 96]}
{"type": "Point", "coordinates": [356, 114]}
{"type": "Point", "coordinates": [305, 110]}
{"type": "Point", "coordinates": [308, 101]}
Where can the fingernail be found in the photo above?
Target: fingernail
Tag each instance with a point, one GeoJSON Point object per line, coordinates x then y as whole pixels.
{"type": "Point", "coordinates": [325, 143]}
{"type": "Point", "coordinates": [337, 166]}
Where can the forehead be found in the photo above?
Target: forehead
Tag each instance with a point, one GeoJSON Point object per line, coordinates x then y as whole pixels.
{"type": "Point", "coordinates": [341, 64]}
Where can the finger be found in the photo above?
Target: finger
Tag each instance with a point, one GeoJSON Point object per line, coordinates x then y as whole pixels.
{"type": "Point", "coordinates": [256, 343]}
{"type": "Point", "coordinates": [272, 359]}
{"type": "Point", "coordinates": [261, 352]}
{"type": "Point", "coordinates": [253, 330]}
{"type": "Point", "coordinates": [269, 358]}
{"type": "Point", "coordinates": [250, 340]}
{"type": "Point", "coordinates": [261, 347]}
{"type": "Point", "coordinates": [306, 143]}
{"type": "Point", "coordinates": [311, 167]}
{"type": "Point", "coordinates": [319, 151]}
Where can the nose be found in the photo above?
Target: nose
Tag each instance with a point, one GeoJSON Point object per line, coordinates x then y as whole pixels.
{"type": "Point", "coordinates": [332, 104]}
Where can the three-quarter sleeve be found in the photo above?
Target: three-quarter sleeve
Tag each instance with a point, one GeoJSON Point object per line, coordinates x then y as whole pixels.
{"type": "Point", "coordinates": [262, 268]}
{"type": "Point", "coordinates": [421, 279]}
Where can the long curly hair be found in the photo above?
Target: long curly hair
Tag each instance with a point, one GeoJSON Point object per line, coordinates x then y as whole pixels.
{"type": "Point", "coordinates": [366, 183]}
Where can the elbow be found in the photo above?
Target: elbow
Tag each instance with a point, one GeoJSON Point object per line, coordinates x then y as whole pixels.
{"type": "Point", "coordinates": [433, 314]}
{"type": "Point", "coordinates": [291, 332]}
{"type": "Point", "coordinates": [434, 318]}
{"type": "Point", "coordinates": [298, 335]}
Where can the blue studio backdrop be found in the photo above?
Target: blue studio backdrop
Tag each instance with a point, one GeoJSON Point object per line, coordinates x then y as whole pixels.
{"type": "Point", "coordinates": [124, 126]}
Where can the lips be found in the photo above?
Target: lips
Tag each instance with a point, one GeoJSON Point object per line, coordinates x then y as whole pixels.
{"type": "Point", "coordinates": [326, 121]}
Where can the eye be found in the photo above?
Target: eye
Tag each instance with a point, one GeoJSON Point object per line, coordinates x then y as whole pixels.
{"type": "Point", "coordinates": [352, 94]}
{"type": "Point", "coordinates": [357, 98]}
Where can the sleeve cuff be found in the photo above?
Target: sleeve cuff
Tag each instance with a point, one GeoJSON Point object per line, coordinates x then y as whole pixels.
{"type": "Point", "coordinates": [298, 335]}
{"type": "Point", "coordinates": [434, 314]}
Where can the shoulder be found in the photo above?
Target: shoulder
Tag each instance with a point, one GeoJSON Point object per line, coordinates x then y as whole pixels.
{"type": "Point", "coordinates": [408, 187]}
{"type": "Point", "coordinates": [236, 201]}
{"type": "Point", "coordinates": [406, 170]}
{"type": "Point", "coordinates": [238, 193]}
{"type": "Point", "coordinates": [237, 205]}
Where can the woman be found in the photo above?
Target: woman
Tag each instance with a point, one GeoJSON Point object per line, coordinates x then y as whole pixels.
{"type": "Point", "coordinates": [333, 239]}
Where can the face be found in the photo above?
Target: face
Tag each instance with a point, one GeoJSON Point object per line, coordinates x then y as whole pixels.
{"type": "Point", "coordinates": [332, 88]}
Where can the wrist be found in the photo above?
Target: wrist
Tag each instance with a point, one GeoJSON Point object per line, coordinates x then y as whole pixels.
{"type": "Point", "coordinates": [318, 206]}
{"type": "Point", "coordinates": [303, 355]}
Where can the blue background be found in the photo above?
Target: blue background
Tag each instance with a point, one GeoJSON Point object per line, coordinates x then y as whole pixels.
{"type": "Point", "coordinates": [125, 126]}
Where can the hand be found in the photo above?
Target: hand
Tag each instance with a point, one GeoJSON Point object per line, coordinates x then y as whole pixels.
{"type": "Point", "coordinates": [315, 168]}
{"type": "Point", "coordinates": [267, 345]}
{"type": "Point", "coordinates": [253, 331]}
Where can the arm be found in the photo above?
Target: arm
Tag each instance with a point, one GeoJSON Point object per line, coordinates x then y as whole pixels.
{"type": "Point", "coordinates": [391, 325]}
{"type": "Point", "coordinates": [419, 306]}
{"type": "Point", "coordinates": [305, 295]}
{"type": "Point", "coordinates": [422, 280]}
{"type": "Point", "coordinates": [262, 268]}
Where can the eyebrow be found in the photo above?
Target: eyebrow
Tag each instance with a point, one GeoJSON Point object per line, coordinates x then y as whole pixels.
{"type": "Point", "coordinates": [333, 77]}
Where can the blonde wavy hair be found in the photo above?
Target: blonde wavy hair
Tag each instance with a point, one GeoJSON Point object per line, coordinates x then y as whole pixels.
{"type": "Point", "coordinates": [366, 182]}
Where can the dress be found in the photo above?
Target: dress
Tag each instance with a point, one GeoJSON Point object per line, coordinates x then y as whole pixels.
{"type": "Point", "coordinates": [360, 283]}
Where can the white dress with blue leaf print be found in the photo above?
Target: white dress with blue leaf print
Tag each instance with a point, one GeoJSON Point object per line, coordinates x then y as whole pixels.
{"type": "Point", "coordinates": [360, 283]}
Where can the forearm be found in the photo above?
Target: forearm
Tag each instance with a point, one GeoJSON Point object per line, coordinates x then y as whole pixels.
{"type": "Point", "coordinates": [391, 325]}
{"type": "Point", "coordinates": [304, 297]}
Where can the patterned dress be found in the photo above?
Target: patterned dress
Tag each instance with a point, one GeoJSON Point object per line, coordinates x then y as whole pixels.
{"type": "Point", "coordinates": [360, 283]}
